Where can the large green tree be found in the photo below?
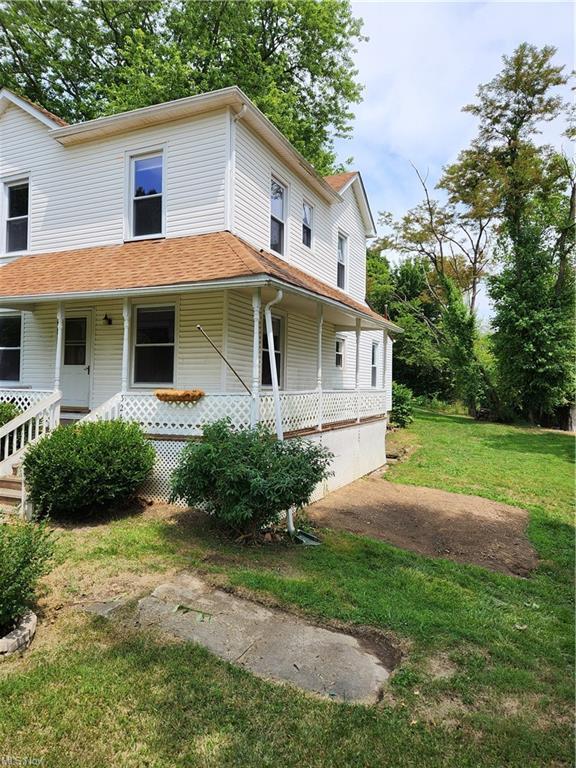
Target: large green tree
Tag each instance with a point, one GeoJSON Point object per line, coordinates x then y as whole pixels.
{"type": "Point", "coordinates": [89, 58]}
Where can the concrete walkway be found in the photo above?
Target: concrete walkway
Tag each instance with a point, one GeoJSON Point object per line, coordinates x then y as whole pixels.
{"type": "Point", "coordinates": [271, 644]}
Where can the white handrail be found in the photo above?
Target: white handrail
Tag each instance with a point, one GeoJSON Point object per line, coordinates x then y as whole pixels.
{"type": "Point", "coordinates": [108, 410]}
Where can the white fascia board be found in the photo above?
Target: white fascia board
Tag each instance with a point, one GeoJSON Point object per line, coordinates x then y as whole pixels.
{"type": "Point", "coordinates": [7, 99]}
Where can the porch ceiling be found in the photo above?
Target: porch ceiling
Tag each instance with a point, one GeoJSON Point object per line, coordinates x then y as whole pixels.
{"type": "Point", "coordinates": [202, 262]}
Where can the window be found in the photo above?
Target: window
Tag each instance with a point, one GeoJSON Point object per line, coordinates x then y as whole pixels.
{"type": "Point", "coordinates": [10, 347]}
{"type": "Point", "coordinates": [146, 192]}
{"type": "Point", "coordinates": [154, 347]}
{"type": "Point", "coordinates": [339, 353]}
{"type": "Point", "coordinates": [278, 333]}
{"type": "Point", "coordinates": [17, 206]}
{"type": "Point", "coordinates": [342, 248]}
{"type": "Point", "coordinates": [374, 365]}
{"type": "Point", "coordinates": [307, 224]}
{"type": "Point", "coordinates": [277, 216]}
{"type": "Point", "coordinates": [75, 341]}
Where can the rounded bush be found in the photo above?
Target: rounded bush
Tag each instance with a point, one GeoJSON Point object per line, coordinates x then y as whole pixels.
{"type": "Point", "coordinates": [402, 405]}
{"type": "Point", "coordinates": [8, 411]}
{"type": "Point", "coordinates": [25, 549]}
{"type": "Point", "coordinates": [246, 478]}
{"type": "Point", "coordinates": [79, 469]}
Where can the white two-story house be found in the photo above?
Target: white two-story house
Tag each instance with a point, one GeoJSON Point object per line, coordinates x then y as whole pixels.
{"type": "Point", "coordinates": [185, 246]}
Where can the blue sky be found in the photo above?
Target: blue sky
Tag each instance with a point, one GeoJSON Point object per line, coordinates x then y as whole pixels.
{"type": "Point", "coordinates": [423, 62]}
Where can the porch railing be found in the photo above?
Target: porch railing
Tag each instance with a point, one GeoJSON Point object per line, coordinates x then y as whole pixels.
{"type": "Point", "coordinates": [23, 398]}
{"type": "Point", "coordinates": [301, 410]}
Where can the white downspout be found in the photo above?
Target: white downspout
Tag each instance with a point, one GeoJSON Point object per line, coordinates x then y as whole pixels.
{"type": "Point", "coordinates": [275, 390]}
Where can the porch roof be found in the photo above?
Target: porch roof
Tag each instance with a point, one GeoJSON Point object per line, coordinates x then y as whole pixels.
{"type": "Point", "coordinates": [218, 259]}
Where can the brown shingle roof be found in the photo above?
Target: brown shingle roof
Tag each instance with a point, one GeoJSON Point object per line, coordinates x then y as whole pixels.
{"type": "Point", "coordinates": [43, 110]}
{"type": "Point", "coordinates": [339, 180]}
{"type": "Point", "coordinates": [151, 263]}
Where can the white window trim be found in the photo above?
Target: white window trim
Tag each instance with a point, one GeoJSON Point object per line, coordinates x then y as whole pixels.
{"type": "Point", "coordinates": [283, 317]}
{"type": "Point", "coordinates": [14, 181]}
{"type": "Point", "coordinates": [341, 340]}
{"type": "Point", "coordinates": [346, 259]}
{"type": "Point", "coordinates": [286, 187]}
{"type": "Point", "coordinates": [309, 204]}
{"type": "Point", "coordinates": [129, 157]}
{"type": "Point", "coordinates": [14, 382]}
{"type": "Point", "coordinates": [154, 385]}
{"type": "Point", "coordinates": [374, 354]}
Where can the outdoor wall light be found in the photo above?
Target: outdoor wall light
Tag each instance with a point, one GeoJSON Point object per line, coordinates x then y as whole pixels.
{"type": "Point", "coordinates": [107, 320]}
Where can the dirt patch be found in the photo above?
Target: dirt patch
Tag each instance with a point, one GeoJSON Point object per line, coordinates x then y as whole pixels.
{"type": "Point", "coordinates": [466, 529]}
{"type": "Point", "coordinates": [440, 667]}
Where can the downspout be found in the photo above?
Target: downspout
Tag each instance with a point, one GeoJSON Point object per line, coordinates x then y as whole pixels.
{"type": "Point", "coordinates": [275, 390]}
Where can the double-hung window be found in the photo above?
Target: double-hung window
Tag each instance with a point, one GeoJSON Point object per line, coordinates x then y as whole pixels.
{"type": "Point", "coordinates": [10, 347]}
{"type": "Point", "coordinates": [154, 345]}
{"type": "Point", "coordinates": [278, 334]}
{"type": "Point", "coordinates": [339, 353]}
{"type": "Point", "coordinates": [146, 192]}
{"type": "Point", "coordinates": [17, 216]}
{"type": "Point", "coordinates": [342, 254]}
{"type": "Point", "coordinates": [307, 224]}
{"type": "Point", "coordinates": [374, 365]}
{"type": "Point", "coordinates": [277, 215]}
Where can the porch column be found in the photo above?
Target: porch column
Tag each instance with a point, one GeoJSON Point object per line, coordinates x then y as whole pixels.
{"type": "Point", "coordinates": [59, 336]}
{"type": "Point", "coordinates": [256, 311]}
{"type": "Point", "coordinates": [126, 345]}
{"type": "Point", "coordinates": [319, 331]}
{"type": "Point", "coordinates": [357, 372]}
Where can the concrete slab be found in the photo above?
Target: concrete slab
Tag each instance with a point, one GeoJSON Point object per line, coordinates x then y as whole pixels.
{"type": "Point", "coordinates": [271, 644]}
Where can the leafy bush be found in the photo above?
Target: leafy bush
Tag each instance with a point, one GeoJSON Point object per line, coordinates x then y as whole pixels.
{"type": "Point", "coordinates": [8, 411]}
{"type": "Point", "coordinates": [83, 468]}
{"type": "Point", "coordinates": [246, 478]}
{"type": "Point", "coordinates": [402, 405]}
{"type": "Point", "coordinates": [25, 549]}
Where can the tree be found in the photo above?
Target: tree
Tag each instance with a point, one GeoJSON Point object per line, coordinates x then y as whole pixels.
{"type": "Point", "coordinates": [97, 57]}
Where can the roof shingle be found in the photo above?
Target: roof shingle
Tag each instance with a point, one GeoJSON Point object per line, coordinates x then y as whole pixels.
{"type": "Point", "coordinates": [339, 180]}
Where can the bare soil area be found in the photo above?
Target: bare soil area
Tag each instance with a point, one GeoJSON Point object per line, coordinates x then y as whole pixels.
{"type": "Point", "coordinates": [467, 529]}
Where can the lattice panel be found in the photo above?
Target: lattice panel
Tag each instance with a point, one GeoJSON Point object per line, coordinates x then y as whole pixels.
{"type": "Point", "coordinates": [160, 418]}
{"type": "Point", "coordinates": [167, 454]}
{"type": "Point", "coordinates": [339, 405]}
{"type": "Point", "coordinates": [372, 403]}
{"type": "Point", "coordinates": [23, 398]}
{"type": "Point", "coordinates": [300, 410]}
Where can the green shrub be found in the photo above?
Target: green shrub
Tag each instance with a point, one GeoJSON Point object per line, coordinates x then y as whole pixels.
{"type": "Point", "coordinates": [87, 467]}
{"type": "Point", "coordinates": [8, 411]}
{"type": "Point", "coordinates": [25, 549]}
{"type": "Point", "coordinates": [246, 478]}
{"type": "Point", "coordinates": [402, 405]}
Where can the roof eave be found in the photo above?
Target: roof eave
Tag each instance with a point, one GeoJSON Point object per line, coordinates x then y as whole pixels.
{"type": "Point", "coordinates": [8, 98]}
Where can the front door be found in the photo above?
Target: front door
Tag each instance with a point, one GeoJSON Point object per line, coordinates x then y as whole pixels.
{"type": "Point", "coordinates": [76, 360]}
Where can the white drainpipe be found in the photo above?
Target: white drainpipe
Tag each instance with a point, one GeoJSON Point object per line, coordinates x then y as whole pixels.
{"type": "Point", "coordinates": [275, 390]}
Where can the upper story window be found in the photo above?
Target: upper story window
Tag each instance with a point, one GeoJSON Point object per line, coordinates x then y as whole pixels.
{"type": "Point", "coordinates": [277, 215]}
{"type": "Point", "coordinates": [146, 195]}
{"type": "Point", "coordinates": [154, 345]}
{"type": "Point", "coordinates": [17, 216]}
{"type": "Point", "coordinates": [307, 224]}
{"type": "Point", "coordinates": [374, 365]}
{"type": "Point", "coordinates": [339, 353]}
{"type": "Point", "coordinates": [342, 256]}
{"type": "Point", "coordinates": [10, 347]}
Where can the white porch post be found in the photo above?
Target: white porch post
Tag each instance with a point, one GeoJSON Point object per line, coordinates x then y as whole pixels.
{"type": "Point", "coordinates": [255, 406]}
{"type": "Point", "coordinates": [357, 372]}
{"type": "Point", "coordinates": [126, 345]}
{"type": "Point", "coordinates": [319, 330]}
{"type": "Point", "coordinates": [59, 336]}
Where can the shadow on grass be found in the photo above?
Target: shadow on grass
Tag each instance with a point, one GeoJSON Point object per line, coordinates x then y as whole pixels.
{"type": "Point", "coordinates": [558, 445]}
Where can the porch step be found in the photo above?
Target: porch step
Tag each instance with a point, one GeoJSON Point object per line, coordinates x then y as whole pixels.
{"type": "Point", "coordinates": [70, 414]}
{"type": "Point", "coordinates": [10, 491]}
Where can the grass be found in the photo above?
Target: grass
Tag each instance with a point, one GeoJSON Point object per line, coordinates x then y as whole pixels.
{"type": "Point", "coordinates": [486, 679]}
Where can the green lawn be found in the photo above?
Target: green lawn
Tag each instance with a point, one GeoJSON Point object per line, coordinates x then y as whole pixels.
{"type": "Point", "coordinates": [486, 679]}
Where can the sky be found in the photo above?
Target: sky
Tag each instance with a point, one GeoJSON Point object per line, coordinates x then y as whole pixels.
{"type": "Point", "coordinates": [422, 64]}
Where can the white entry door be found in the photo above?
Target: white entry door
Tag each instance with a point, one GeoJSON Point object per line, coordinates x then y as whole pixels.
{"type": "Point", "coordinates": [76, 358]}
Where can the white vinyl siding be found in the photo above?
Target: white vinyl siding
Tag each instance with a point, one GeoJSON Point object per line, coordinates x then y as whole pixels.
{"type": "Point", "coordinates": [78, 193]}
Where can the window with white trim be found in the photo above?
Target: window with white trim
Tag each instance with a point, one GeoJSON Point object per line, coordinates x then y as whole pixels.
{"type": "Point", "coordinates": [374, 365]}
{"type": "Point", "coordinates": [154, 345]}
{"type": "Point", "coordinates": [146, 195]}
{"type": "Point", "coordinates": [340, 353]}
{"type": "Point", "coordinates": [10, 347]}
{"type": "Point", "coordinates": [277, 215]}
{"type": "Point", "coordinates": [342, 255]}
{"type": "Point", "coordinates": [307, 213]}
{"type": "Point", "coordinates": [278, 334]}
{"type": "Point", "coordinates": [17, 216]}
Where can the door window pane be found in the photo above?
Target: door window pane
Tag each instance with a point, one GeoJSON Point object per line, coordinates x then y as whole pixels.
{"type": "Point", "coordinates": [75, 341]}
{"type": "Point", "coordinates": [154, 352]}
{"type": "Point", "coordinates": [10, 341]}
